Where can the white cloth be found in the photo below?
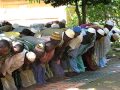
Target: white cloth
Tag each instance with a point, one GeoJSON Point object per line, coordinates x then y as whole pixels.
{"type": "Point", "coordinates": [27, 78]}
{"type": "Point", "coordinates": [102, 47]}
{"type": "Point", "coordinates": [75, 43]}
{"type": "Point", "coordinates": [13, 63]}
{"type": "Point", "coordinates": [8, 83]}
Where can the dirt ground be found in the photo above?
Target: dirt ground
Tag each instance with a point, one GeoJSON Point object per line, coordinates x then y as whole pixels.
{"type": "Point", "coordinates": [103, 79]}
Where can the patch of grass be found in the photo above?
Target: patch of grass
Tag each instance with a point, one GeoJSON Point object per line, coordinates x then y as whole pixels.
{"type": "Point", "coordinates": [49, 31]}
{"type": "Point", "coordinates": [113, 53]}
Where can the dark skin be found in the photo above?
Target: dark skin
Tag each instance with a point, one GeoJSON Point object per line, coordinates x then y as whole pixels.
{"type": "Point", "coordinates": [60, 50]}
{"type": "Point", "coordinates": [66, 38]}
{"type": "Point", "coordinates": [87, 38]}
{"type": "Point", "coordinates": [4, 51]}
{"type": "Point", "coordinates": [49, 46]}
{"type": "Point", "coordinates": [27, 32]}
{"type": "Point", "coordinates": [76, 34]}
{"type": "Point", "coordinates": [98, 36]}
{"type": "Point", "coordinates": [52, 44]}
{"type": "Point", "coordinates": [4, 47]}
{"type": "Point", "coordinates": [112, 39]}
{"type": "Point", "coordinates": [18, 48]}
{"type": "Point", "coordinates": [108, 27]}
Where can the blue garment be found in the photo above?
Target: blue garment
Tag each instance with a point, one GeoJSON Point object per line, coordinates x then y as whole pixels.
{"type": "Point", "coordinates": [39, 73]}
{"type": "Point", "coordinates": [102, 62]}
{"type": "Point", "coordinates": [77, 64]}
{"type": "Point", "coordinates": [57, 69]}
{"type": "Point", "coordinates": [77, 29]}
{"type": "Point", "coordinates": [76, 61]}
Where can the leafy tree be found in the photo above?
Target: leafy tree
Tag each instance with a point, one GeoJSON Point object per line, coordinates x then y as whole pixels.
{"type": "Point", "coordinates": [77, 3]}
{"type": "Point", "coordinates": [103, 12]}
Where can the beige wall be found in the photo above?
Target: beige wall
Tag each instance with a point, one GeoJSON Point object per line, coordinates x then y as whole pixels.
{"type": "Point", "coordinates": [17, 3]}
{"type": "Point", "coordinates": [24, 13]}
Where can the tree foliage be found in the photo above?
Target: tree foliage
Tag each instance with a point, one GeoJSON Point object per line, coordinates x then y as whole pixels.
{"type": "Point", "coordinates": [103, 12]}
{"type": "Point", "coordinates": [93, 10]}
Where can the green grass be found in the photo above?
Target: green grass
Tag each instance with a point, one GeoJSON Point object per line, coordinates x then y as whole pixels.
{"type": "Point", "coordinates": [49, 31]}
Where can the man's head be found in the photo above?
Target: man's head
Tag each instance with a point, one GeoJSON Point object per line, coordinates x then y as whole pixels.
{"type": "Point", "coordinates": [17, 47]}
{"type": "Point", "coordinates": [68, 35]}
{"type": "Point", "coordinates": [39, 50]}
{"type": "Point", "coordinates": [114, 37]}
{"type": "Point", "coordinates": [109, 24]}
{"type": "Point", "coordinates": [30, 56]}
{"type": "Point", "coordinates": [89, 36]}
{"type": "Point", "coordinates": [27, 32]}
{"type": "Point", "coordinates": [115, 29]}
{"type": "Point", "coordinates": [77, 30]}
{"type": "Point", "coordinates": [55, 38]}
{"type": "Point", "coordinates": [5, 47]}
{"type": "Point", "coordinates": [90, 32]}
{"type": "Point", "coordinates": [99, 34]}
{"type": "Point", "coordinates": [106, 31]}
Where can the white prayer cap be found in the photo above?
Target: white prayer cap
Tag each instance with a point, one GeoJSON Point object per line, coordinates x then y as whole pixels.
{"type": "Point", "coordinates": [70, 33]}
{"type": "Point", "coordinates": [117, 30]}
{"type": "Point", "coordinates": [110, 22]}
{"type": "Point", "coordinates": [33, 30]}
{"type": "Point", "coordinates": [101, 32]}
{"type": "Point", "coordinates": [15, 43]}
{"type": "Point", "coordinates": [63, 21]}
{"type": "Point", "coordinates": [5, 38]}
{"type": "Point", "coordinates": [91, 30]}
{"type": "Point", "coordinates": [106, 30]}
{"type": "Point", "coordinates": [116, 36]}
{"type": "Point", "coordinates": [31, 56]}
{"type": "Point", "coordinates": [54, 25]}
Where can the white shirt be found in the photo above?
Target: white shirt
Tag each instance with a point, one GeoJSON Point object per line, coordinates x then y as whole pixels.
{"type": "Point", "coordinates": [13, 63]}
{"type": "Point", "coordinates": [75, 43]}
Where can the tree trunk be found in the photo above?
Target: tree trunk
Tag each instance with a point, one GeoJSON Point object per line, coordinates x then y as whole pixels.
{"type": "Point", "coordinates": [78, 12]}
{"type": "Point", "coordinates": [84, 9]}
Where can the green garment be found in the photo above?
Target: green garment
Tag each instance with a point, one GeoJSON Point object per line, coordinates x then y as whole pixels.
{"type": "Point", "coordinates": [80, 64]}
{"type": "Point", "coordinates": [31, 41]}
{"type": "Point", "coordinates": [5, 28]}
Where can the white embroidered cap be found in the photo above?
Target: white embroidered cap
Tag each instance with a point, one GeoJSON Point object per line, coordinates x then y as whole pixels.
{"type": "Point", "coordinates": [110, 22]}
{"type": "Point", "coordinates": [101, 32]}
{"type": "Point", "coordinates": [117, 30]}
{"type": "Point", "coordinates": [31, 56]}
{"type": "Point", "coordinates": [91, 30]}
{"type": "Point", "coordinates": [54, 25]}
{"type": "Point", "coordinates": [116, 36]}
{"type": "Point", "coordinates": [106, 30]}
{"type": "Point", "coordinates": [70, 33]}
